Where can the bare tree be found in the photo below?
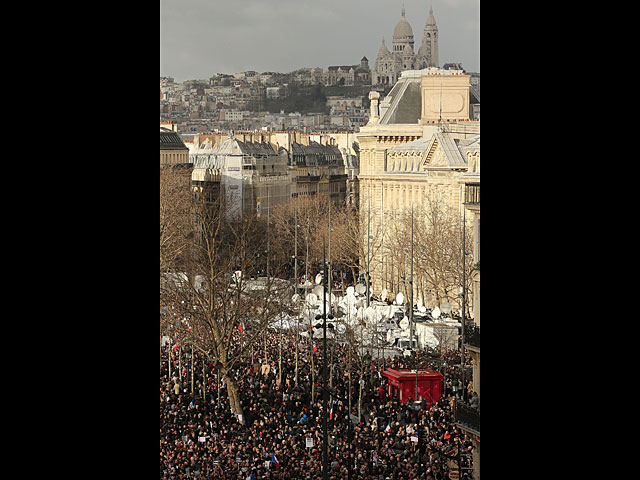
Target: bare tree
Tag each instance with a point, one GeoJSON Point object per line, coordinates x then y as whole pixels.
{"type": "Point", "coordinates": [437, 252]}
{"type": "Point", "coordinates": [175, 208]}
{"type": "Point", "coordinates": [223, 313]}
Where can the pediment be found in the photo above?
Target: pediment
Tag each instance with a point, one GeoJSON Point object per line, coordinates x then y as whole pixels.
{"type": "Point", "coordinates": [442, 152]}
{"type": "Point", "coordinates": [433, 155]}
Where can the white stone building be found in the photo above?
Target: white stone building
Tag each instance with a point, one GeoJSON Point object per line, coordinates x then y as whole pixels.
{"type": "Point", "coordinates": [390, 64]}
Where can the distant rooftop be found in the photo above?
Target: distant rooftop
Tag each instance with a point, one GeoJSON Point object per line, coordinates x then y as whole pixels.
{"type": "Point", "coordinates": [170, 140]}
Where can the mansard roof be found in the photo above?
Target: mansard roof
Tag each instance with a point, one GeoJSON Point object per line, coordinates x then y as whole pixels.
{"type": "Point", "coordinates": [315, 154]}
{"type": "Point", "coordinates": [405, 102]}
{"type": "Point", "coordinates": [236, 147]}
{"type": "Point", "coordinates": [170, 140]}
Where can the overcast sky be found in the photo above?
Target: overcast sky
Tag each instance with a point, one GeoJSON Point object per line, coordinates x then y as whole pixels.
{"type": "Point", "coordinates": [199, 38]}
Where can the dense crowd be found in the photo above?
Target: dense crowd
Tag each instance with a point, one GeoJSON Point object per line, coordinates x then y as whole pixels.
{"type": "Point", "coordinates": [201, 438]}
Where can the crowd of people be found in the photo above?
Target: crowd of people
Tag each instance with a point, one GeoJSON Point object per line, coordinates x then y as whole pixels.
{"type": "Point", "coordinates": [279, 435]}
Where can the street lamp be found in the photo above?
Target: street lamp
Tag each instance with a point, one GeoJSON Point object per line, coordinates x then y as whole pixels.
{"type": "Point", "coordinates": [350, 421]}
{"type": "Point", "coordinates": [325, 455]}
{"type": "Point", "coordinates": [464, 293]}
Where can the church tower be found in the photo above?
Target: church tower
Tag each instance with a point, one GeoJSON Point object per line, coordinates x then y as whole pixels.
{"type": "Point", "coordinates": [427, 55]}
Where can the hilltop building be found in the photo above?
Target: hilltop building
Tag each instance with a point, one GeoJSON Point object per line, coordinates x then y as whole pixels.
{"type": "Point", "coordinates": [390, 64]}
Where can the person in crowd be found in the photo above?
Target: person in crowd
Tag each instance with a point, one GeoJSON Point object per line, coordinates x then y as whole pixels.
{"type": "Point", "coordinates": [201, 438]}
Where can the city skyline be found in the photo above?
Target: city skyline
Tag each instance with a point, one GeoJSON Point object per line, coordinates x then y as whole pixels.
{"type": "Point", "coordinates": [285, 35]}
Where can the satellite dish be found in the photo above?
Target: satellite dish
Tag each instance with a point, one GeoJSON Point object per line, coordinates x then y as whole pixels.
{"type": "Point", "coordinates": [312, 299]}
{"type": "Point", "coordinates": [422, 309]}
{"type": "Point", "coordinates": [435, 313]}
{"type": "Point", "coordinates": [360, 289]}
{"type": "Point", "coordinates": [350, 300]}
{"type": "Point", "coordinates": [400, 299]}
{"type": "Point", "coordinates": [446, 308]}
{"type": "Point", "coordinates": [350, 291]}
{"type": "Point", "coordinates": [369, 313]}
{"type": "Point", "coordinates": [404, 323]}
{"type": "Point", "coordinates": [341, 328]}
{"type": "Point", "coordinates": [318, 279]}
{"type": "Point", "coordinates": [295, 298]}
{"type": "Point", "coordinates": [384, 294]}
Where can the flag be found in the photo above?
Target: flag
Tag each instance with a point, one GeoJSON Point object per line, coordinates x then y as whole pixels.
{"type": "Point", "coordinates": [331, 411]}
{"type": "Point", "coordinates": [388, 429]}
{"type": "Point", "coordinates": [274, 460]}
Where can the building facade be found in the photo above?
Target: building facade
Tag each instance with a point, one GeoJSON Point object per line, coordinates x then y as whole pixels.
{"type": "Point", "coordinates": [173, 151]}
{"type": "Point", "coordinates": [257, 170]}
{"type": "Point", "coordinates": [253, 174]}
{"type": "Point", "coordinates": [467, 418]}
{"type": "Point", "coordinates": [413, 151]}
{"type": "Point", "coordinates": [318, 170]}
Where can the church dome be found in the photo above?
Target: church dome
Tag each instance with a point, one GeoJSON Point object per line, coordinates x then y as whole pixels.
{"type": "Point", "coordinates": [403, 29]}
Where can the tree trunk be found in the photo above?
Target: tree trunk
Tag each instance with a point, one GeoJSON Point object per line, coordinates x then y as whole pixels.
{"type": "Point", "coordinates": [234, 397]}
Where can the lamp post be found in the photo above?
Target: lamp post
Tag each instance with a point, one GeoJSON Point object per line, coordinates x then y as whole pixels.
{"type": "Point", "coordinates": [325, 454]}
{"type": "Point", "coordinates": [295, 250]}
{"type": "Point", "coordinates": [411, 320]}
{"type": "Point", "coordinates": [329, 267]}
{"type": "Point", "coordinates": [464, 294]}
{"type": "Point", "coordinates": [350, 434]}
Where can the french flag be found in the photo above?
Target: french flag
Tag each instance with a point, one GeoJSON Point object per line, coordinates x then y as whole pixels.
{"type": "Point", "coordinates": [331, 412]}
{"type": "Point", "coordinates": [274, 460]}
{"type": "Point", "coordinates": [388, 429]}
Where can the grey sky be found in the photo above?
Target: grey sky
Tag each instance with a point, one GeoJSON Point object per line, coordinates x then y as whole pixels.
{"type": "Point", "coordinates": [199, 38]}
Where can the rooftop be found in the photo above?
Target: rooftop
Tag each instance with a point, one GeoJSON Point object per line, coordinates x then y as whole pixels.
{"type": "Point", "coordinates": [170, 140]}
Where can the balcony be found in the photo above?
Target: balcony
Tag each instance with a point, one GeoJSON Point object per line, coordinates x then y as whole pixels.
{"type": "Point", "coordinates": [466, 417]}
